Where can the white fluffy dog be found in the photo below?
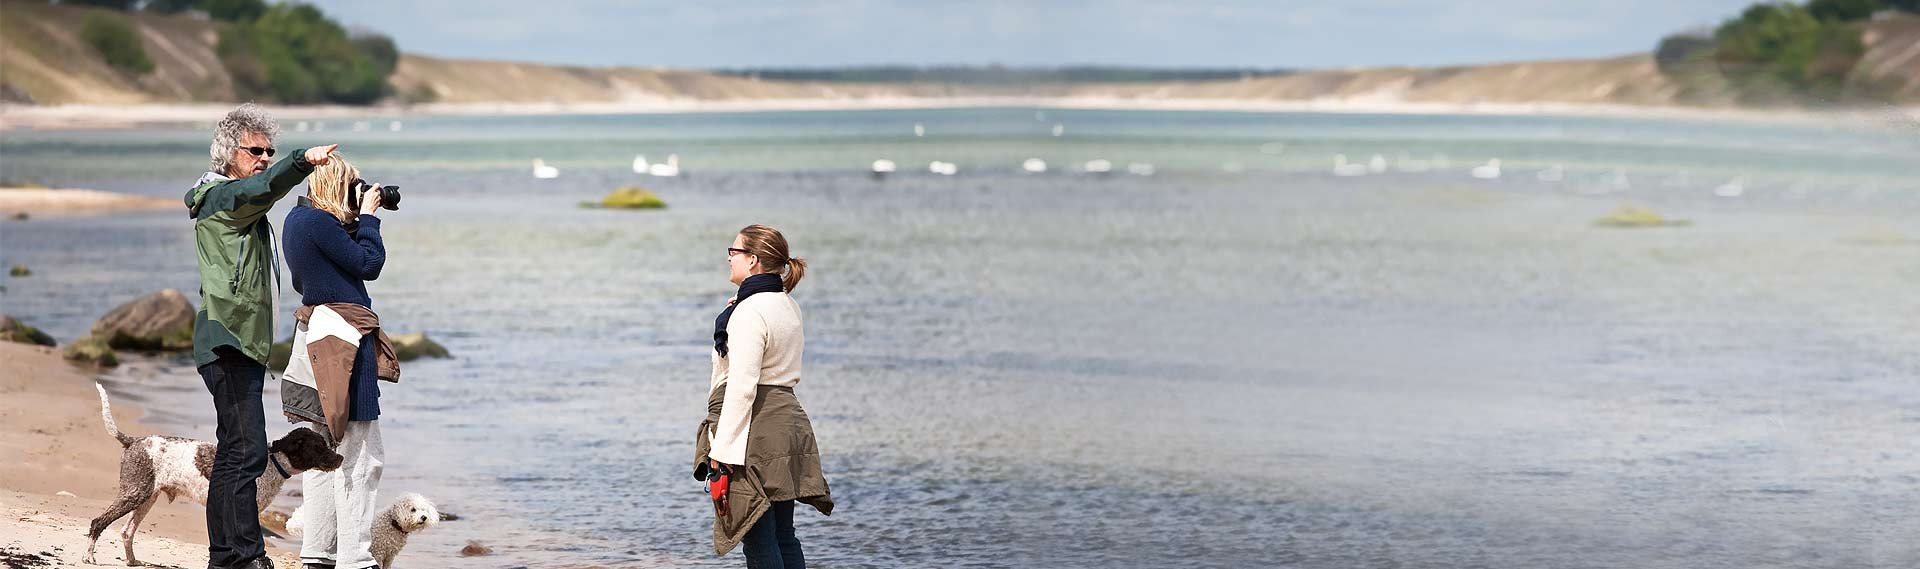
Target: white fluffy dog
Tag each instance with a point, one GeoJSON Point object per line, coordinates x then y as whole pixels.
{"type": "Point", "coordinates": [409, 514]}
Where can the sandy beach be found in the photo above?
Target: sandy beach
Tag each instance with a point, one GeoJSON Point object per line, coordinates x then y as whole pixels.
{"type": "Point", "coordinates": [38, 201]}
{"type": "Point", "coordinates": [59, 468]}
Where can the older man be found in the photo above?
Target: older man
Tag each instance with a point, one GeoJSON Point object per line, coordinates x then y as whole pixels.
{"type": "Point", "coordinates": [234, 328]}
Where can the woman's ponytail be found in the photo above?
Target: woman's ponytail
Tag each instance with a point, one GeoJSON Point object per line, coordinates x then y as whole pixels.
{"type": "Point", "coordinates": [796, 268]}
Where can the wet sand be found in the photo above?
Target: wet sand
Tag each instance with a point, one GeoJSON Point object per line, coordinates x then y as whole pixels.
{"type": "Point", "coordinates": [37, 201]}
{"type": "Point", "coordinates": [59, 468]}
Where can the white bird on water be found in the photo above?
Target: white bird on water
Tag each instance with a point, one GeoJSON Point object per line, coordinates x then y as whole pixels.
{"type": "Point", "coordinates": [1488, 171]}
{"type": "Point", "coordinates": [1377, 164]}
{"type": "Point", "coordinates": [1732, 189]}
{"type": "Point", "coordinates": [667, 169]}
{"type": "Point", "coordinates": [1098, 166]}
{"type": "Point", "coordinates": [882, 167]}
{"type": "Point", "coordinates": [919, 129]}
{"type": "Point", "coordinates": [393, 126]}
{"type": "Point", "coordinates": [1034, 165]}
{"type": "Point", "coordinates": [1140, 168]}
{"type": "Point", "coordinates": [542, 171]}
{"type": "Point", "coordinates": [1346, 169]}
{"type": "Point", "coordinates": [639, 163]}
{"type": "Point", "coordinates": [1059, 129]}
{"type": "Point", "coordinates": [943, 168]}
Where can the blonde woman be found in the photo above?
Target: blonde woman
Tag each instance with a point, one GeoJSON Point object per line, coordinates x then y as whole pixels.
{"type": "Point", "coordinates": [332, 246]}
{"type": "Point", "coordinates": [756, 434]}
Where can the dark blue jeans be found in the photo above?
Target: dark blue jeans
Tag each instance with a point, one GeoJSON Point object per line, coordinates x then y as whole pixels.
{"type": "Point", "coordinates": [770, 543]}
{"type": "Point", "coordinates": [239, 456]}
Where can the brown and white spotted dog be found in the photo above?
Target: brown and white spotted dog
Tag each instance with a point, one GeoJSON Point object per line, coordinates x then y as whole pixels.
{"type": "Point", "coordinates": [174, 466]}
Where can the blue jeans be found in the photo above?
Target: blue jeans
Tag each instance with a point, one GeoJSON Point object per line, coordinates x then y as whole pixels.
{"type": "Point", "coordinates": [770, 543]}
{"type": "Point", "coordinates": [239, 456]}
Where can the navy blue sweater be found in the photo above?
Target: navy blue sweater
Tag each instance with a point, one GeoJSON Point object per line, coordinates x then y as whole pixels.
{"type": "Point", "coordinates": [330, 264]}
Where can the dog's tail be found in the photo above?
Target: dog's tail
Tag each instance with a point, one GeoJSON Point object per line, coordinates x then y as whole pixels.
{"type": "Point", "coordinates": [106, 414]}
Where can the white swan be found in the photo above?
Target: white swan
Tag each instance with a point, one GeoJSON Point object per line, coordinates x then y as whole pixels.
{"type": "Point", "coordinates": [639, 163]}
{"type": "Point", "coordinates": [542, 171]}
{"type": "Point", "coordinates": [1140, 168]}
{"type": "Point", "coordinates": [1034, 165]}
{"type": "Point", "coordinates": [943, 168]}
{"type": "Point", "coordinates": [1732, 189]}
{"type": "Point", "coordinates": [1098, 166]}
{"type": "Point", "coordinates": [668, 169]}
{"type": "Point", "coordinates": [919, 129]}
{"type": "Point", "coordinates": [1377, 164]}
{"type": "Point", "coordinates": [883, 166]}
{"type": "Point", "coordinates": [1346, 169]}
{"type": "Point", "coordinates": [1488, 171]}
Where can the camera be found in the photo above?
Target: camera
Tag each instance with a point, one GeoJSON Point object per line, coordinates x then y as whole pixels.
{"type": "Point", "coordinates": [389, 195]}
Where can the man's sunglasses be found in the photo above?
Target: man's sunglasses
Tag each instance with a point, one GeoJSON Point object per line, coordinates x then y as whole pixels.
{"type": "Point", "coordinates": [256, 151]}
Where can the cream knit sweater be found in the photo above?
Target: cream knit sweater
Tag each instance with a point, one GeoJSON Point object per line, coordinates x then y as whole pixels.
{"type": "Point", "coordinates": [764, 341]}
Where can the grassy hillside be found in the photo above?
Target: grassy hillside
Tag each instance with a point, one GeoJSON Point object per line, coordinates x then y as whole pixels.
{"type": "Point", "coordinates": [43, 61]}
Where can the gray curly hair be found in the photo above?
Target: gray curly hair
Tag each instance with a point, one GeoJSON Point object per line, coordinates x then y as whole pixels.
{"type": "Point", "coordinates": [226, 135]}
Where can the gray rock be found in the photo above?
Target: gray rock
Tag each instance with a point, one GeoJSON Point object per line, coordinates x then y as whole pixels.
{"type": "Point", "coordinates": [158, 321]}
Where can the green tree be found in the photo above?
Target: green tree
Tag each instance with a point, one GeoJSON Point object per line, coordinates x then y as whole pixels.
{"type": "Point", "coordinates": [234, 10]}
{"type": "Point", "coordinates": [121, 5]}
{"type": "Point", "coordinates": [1778, 50]}
{"type": "Point", "coordinates": [293, 54]}
{"type": "Point", "coordinates": [1844, 10]}
{"type": "Point", "coordinates": [169, 6]}
{"type": "Point", "coordinates": [1679, 52]}
{"type": "Point", "coordinates": [380, 49]}
{"type": "Point", "coordinates": [117, 41]}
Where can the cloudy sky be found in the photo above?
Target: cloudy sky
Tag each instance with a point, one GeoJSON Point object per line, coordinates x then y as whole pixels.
{"type": "Point", "coordinates": [1200, 33]}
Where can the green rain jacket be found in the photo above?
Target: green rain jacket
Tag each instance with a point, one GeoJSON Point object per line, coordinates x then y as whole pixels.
{"type": "Point", "coordinates": [238, 267]}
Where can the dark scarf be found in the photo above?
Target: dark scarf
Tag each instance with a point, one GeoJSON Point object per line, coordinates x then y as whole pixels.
{"type": "Point", "coordinates": [763, 282]}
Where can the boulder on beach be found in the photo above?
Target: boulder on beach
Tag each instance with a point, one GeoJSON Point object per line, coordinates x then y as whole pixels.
{"type": "Point", "coordinates": [158, 321]}
{"type": "Point", "coordinates": [417, 345]}
{"type": "Point", "coordinates": [1631, 215]}
{"type": "Point", "coordinates": [475, 549]}
{"type": "Point", "coordinates": [630, 197]}
{"type": "Point", "coordinates": [91, 350]}
{"type": "Point", "coordinates": [13, 330]}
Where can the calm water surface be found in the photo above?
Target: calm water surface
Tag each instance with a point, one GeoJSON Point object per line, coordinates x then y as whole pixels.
{"type": "Point", "coordinates": [1242, 360]}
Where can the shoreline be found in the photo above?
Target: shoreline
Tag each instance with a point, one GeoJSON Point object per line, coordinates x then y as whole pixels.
{"type": "Point", "coordinates": [59, 469]}
{"type": "Point", "coordinates": [88, 116]}
{"type": "Point", "coordinates": [40, 201]}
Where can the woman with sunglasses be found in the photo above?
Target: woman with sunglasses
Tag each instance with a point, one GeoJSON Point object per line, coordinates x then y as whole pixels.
{"type": "Point", "coordinates": [333, 247]}
{"type": "Point", "coordinates": [757, 442]}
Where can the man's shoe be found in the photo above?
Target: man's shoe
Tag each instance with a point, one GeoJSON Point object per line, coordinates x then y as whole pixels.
{"type": "Point", "coordinates": [261, 562]}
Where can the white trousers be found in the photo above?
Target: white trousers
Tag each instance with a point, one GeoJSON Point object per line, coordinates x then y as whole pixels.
{"type": "Point", "coordinates": [338, 509]}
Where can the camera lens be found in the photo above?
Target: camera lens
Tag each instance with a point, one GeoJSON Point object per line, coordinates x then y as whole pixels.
{"type": "Point", "coordinates": [390, 197]}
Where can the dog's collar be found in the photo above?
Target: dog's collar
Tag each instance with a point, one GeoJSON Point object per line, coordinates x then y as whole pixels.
{"type": "Point", "coordinates": [396, 525]}
{"type": "Point", "coordinates": [276, 466]}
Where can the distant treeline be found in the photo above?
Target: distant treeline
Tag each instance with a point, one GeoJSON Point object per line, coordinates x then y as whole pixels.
{"type": "Point", "coordinates": [996, 75]}
{"type": "Point", "coordinates": [1780, 52]}
{"type": "Point", "coordinates": [285, 52]}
